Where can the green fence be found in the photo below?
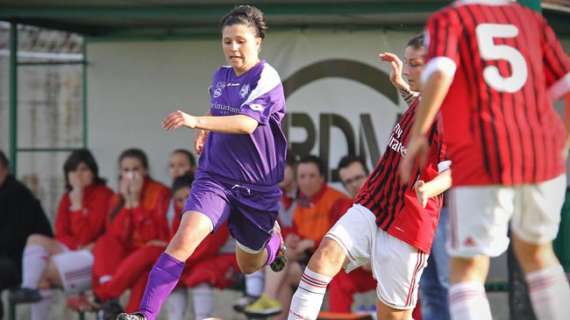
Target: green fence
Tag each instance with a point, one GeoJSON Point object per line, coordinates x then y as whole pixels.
{"type": "Point", "coordinates": [562, 242]}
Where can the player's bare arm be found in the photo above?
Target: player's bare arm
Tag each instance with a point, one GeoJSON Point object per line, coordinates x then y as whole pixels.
{"type": "Point", "coordinates": [566, 125]}
{"type": "Point", "coordinates": [434, 91]}
{"type": "Point", "coordinates": [434, 187]}
{"type": "Point", "coordinates": [236, 124]}
{"type": "Point", "coordinates": [396, 76]}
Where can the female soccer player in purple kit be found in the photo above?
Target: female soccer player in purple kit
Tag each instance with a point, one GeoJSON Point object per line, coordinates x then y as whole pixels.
{"type": "Point", "coordinates": [242, 161]}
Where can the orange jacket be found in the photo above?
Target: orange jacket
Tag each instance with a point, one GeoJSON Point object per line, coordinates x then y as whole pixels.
{"type": "Point", "coordinates": [79, 228]}
{"type": "Point", "coordinates": [136, 226]}
{"type": "Point", "coordinates": [314, 216]}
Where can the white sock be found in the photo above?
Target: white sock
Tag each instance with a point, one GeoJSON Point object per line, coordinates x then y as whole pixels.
{"type": "Point", "coordinates": [254, 283]}
{"type": "Point", "coordinates": [203, 300]}
{"type": "Point", "coordinates": [176, 304]}
{"type": "Point", "coordinates": [40, 309]}
{"type": "Point", "coordinates": [34, 263]}
{"type": "Point", "coordinates": [549, 293]}
{"type": "Point", "coordinates": [468, 301]}
{"type": "Point", "coordinates": [308, 298]}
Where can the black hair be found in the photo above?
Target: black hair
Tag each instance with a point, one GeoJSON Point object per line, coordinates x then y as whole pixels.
{"type": "Point", "coordinates": [183, 181]}
{"type": "Point", "coordinates": [291, 159]}
{"type": "Point", "coordinates": [188, 155]}
{"type": "Point", "coordinates": [77, 157]}
{"type": "Point", "coordinates": [417, 42]}
{"type": "Point", "coordinates": [135, 153]}
{"type": "Point", "coordinates": [350, 159]}
{"type": "Point", "coordinates": [4, 163]}
{"type": "Point", "coordinates": [314, 160]}
{"type": "Point", "coordinates": [246, 15]}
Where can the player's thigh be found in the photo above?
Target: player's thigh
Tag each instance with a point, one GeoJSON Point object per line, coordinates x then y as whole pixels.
{"type": "Point", "coordinates": [208, 197]}
{"type": "Point", "coordinates": [193, 228]}
{"type": "Point", "coordinates": [355, 232]}
{"type": "Point", "coordinates": [538, 207]}
{"type": "Point", "coordinates": [397, 267]}
{"type": "Point", "coordinates": [386, 312]}
{"type": "Point", "coordinates": [478, 220]}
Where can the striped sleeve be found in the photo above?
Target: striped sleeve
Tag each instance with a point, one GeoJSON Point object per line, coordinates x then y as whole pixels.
{"type": "Point", "coordinates": [556, 63]}
{"type": "Point", "coordinates": [442, 36]}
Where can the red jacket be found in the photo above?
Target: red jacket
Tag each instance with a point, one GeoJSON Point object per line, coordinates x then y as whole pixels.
{"type": "Point", "coordinates": [136, 226]}
{"type": "Point", "coordinates": [79, 228]}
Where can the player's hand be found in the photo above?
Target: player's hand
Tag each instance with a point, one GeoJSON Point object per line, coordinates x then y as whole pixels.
{"type": "Point", "coordinates": [124, 185]}
{"type": "Point", "coordinates": [157, 243]}
{"type": "Point", "coordinates": [76, 192]}
{"type": "Point", "coordinates": [88, 247]}
{"type": "Point", "coordinates": [292, 241]}
{"type": "Point", "coordinates": [177, 119]}
{"type": "Point", "coordinates": [416, 154]}
{"type": "Point", "coordinates": [135, 188]}
{"type": "Point", "coordinates": [305, 244]}
{"type": "Point", "coordinates": [200, 141]}
{"type": "Point", "coordinates": [565, 150]}
{"type": "Point", "coordinates": [421, 193]}
{"type": "Point", "coordinates": [396, 72]}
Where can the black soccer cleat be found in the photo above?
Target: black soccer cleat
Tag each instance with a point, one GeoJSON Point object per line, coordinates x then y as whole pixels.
{"type": "Point", "coordinates": [25, 295]}
{"type": "Point", "coordinates": [281, 259]}
{"type": "Point", "coordinates": [131, 316]}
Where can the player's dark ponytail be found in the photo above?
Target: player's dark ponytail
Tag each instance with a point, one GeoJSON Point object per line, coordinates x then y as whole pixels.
{"type": "Point", "coordinates": [247, 15]}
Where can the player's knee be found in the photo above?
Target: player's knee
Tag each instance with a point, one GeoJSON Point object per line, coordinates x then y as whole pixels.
{"type": "Point", "coordinates": [534, 257]}
{"type": "Point", "coordinates": [248, 267]}
{"type": "Point", "coordinates": [329, 256]}
{"type": "Point", "coordinates": [473, 269]}
{"type": "Point", "coordinates": [388, 313]}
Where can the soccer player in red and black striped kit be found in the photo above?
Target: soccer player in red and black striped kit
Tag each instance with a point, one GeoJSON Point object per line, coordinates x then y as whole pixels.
{"type": "Point", "coordinates": [388, 226]}
{"type": "Point", "coordinates": [494, 69]}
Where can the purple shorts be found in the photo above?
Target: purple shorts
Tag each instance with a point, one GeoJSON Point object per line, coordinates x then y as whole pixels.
{"type": "Point", "coordinates": [251, 210]}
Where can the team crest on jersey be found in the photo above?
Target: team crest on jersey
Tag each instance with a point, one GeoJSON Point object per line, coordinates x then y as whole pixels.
{"type": "Point", "coordinates": [256, 107]}
{"type": "Point", "coordinates": [244, 90]}
{"type": "Point", "coordinates": [220, 85]}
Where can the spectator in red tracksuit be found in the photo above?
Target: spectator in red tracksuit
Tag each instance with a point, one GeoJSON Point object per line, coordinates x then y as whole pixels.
{"type": "Point", "coordinates": [66, 261]}
{"type": "Point", "coordinates": [137, 229]}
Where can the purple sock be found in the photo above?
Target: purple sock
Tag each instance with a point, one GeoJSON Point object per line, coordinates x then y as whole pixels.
{"type": "Point", "coordinates": [161, 281]}
{"type": "Point", "coordinates": [272, 247]}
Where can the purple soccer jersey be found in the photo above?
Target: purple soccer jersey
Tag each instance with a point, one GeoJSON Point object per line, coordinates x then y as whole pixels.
{"type": "Point", "coordinates": [256, 158]}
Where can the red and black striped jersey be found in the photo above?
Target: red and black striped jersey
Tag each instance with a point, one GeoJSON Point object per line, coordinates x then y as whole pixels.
{"type": "Point", "coordinates": [393, 201]}
{"type": "Point", "coordinates": [508, 66]}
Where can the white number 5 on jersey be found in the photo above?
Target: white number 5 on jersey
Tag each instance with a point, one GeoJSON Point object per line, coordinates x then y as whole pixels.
{"type": "Point", "coordinates": [486, 33]}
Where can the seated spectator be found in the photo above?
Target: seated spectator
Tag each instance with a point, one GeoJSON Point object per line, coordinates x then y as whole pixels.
{"type": "Point", "coordinates": [181, 162]}
{"type": "Point", "coordinates": [353, 172]}
{"type": "Point", "coordinates": [317, 205]}
{"type": "Point", "coordinates": [21, 215]}
{"type": "Point", "coordinates": [66, 260]}
{"type": "Point", "coordinates": [137, 230]}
